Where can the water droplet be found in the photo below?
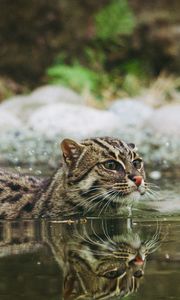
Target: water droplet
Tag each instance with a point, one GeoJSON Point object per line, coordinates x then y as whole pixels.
{"type": "Point", "coordinates": [155, 175]}
{"type": "Point", "coordinates": [38, 172]}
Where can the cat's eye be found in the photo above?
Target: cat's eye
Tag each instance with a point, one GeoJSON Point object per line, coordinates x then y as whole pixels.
{"type": "Point", "coordinates": [137, 163]}
{"type": "Point", "coordinates": [114, 273]}
{"type": "Point", "coordinates": [113, 165]}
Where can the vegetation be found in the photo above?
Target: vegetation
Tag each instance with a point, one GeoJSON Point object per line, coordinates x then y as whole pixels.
{"type": "Point", "coordinates": [100, 71]}
{"type": "Point", "coordinates": [107, 48]}
{"type": "Point", "coordinates": [114, 19]}
{"type": "Point", "coordinates": [77, 76]}
{"type": "Point", "coordinates": [9, 87]}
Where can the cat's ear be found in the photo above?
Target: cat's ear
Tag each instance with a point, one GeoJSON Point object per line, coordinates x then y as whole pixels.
{"type": "Point", "coordinates": [71, 151]}
{"type": "Point", "coordinates": [132, 146]}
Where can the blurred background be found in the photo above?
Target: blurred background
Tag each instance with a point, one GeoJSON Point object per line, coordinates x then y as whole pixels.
{"type": "Point", "coordinates": [107, 48]}
{"type": "Point", "coordinates": [87, 68]}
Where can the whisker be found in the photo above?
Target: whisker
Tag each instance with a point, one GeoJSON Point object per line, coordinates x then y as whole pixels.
{"type": "Point", "coordinates": [109, 194]}
{"type": "Point", "coordinates": [152, 185]}
{"type": "Point", "coordinates": [94, 232]}
{"type": "Point", "coordinates": [105, 231]}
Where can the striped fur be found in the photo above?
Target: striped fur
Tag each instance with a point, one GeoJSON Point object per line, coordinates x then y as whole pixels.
{"type": "Point", "coordinates": [82, 185]}
{"type": "Point", "coordinates": [17, 194]}
{"type": "Point", "coordinates": [99, 259]}
{"type": "Point", "coordinates": [97, 263]}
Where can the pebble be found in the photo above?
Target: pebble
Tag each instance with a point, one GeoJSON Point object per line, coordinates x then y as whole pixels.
{"type": "Point", "coordinates": [32, 126]}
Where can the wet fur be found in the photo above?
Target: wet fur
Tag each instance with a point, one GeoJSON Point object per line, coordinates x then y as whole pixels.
{"type": "Point", "coordinates": [81, 185]}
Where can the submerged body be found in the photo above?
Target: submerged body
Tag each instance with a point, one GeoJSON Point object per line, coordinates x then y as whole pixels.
{"type": "Point", "coordinates": [96, 175]}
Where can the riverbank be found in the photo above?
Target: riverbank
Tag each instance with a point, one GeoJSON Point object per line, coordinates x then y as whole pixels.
{"type": "Point", "coordinates": [32, 126]}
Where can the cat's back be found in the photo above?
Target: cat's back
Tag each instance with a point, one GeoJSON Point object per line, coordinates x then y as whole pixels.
{"type": "Point", "coordinates": [17, 193]}
{"type": "Point", "coordinates": [14, 182]}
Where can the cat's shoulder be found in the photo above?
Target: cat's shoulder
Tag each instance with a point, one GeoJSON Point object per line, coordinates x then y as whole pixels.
{"type": "Point", "coordinates": [15, 181]}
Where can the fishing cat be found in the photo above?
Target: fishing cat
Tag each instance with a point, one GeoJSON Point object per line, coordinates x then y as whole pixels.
{"type": "Point", "coordinates": [96, 175]}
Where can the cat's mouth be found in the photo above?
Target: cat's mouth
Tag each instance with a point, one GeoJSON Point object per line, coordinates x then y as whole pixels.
{"type": "Point", "coordinates": [134, 193]}
{"type": "Point", "coordinates": [140, 189]}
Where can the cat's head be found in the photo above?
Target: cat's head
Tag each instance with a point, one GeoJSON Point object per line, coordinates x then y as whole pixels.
{"type": "Point", "coordinates": [103, 267]}
{"type": "Point", "coordinates": [103, 171]}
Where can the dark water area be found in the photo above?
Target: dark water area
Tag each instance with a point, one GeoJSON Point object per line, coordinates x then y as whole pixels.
{"type": "Point", "coordinates": [97, 257]}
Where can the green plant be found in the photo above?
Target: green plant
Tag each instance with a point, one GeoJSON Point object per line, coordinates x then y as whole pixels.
{"type": "Point", "coordinates": [76, 76]}
{"type": "Point", "coordinates": [105, 73]}
{"type": "Point", "coordinates": [125, 80]}
{"type": "Point", "coordinates": [134, 67]}
{"type": "Point", "coordinates": [114, 19]}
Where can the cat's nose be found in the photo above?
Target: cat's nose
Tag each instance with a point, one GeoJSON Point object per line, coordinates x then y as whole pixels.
{"type": "Point", "coordinates": [136, 179]}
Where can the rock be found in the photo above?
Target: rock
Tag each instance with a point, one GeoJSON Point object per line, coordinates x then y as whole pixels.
{"type": "Point", "coordinates": [55, 93]}
{"type": "Point", "coordinates": [131, 113]}
{"type": "Point", "coordinates": [166, 122]}
{"type": "Point", "coordinates": [162, 141]}
{"type": "Point", "coordinates": [8, 121]}
{"type": "Point", "coordinates": [155, 131]}
{"type": "Point", "coordinates": [24, 106]}
{"type": "Point", "coordinates": [69, 120]}
{"type": "Point", "coordinates": [32, 126]}
{"type": "Point", "coordinates": [20, 106]}
{"type": "Point", "coordinates": [29, 149]}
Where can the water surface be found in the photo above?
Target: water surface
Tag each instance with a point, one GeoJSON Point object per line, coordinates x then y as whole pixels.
{"type": "Point", "coordinates": [95, 258]}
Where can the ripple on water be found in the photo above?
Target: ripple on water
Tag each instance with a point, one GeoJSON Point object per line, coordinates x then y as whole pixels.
{"type": "Point", "coordinates": [43, 257]}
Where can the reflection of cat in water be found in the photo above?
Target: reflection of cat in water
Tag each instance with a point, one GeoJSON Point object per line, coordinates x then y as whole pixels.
{"type": "Point", "coordinates": [97, 263]}
{"type": "Point", "coordinates": [99, 259]}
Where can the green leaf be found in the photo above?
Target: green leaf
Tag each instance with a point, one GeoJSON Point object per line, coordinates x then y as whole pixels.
{"type": "Point", "coordinates": [114, 19]}
{"type": "Point", "coordinates": [76, 76]}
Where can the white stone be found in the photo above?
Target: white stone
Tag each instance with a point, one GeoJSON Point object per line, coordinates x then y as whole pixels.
{"type": "Point", "coordinates": [38, 121]}
{"type": "Point", "coordinates": [17, 105]}
{"type": "Point", "coordinates": [68, 120]}
{"type": "Point", "coordinates": [131, 113]}
{"type": "Point", "coordinates": [56, 93]}
{"type": "Point", "coordinates": [166, 122]}
{"type": "Point", "coordinates": [8, 121]}
{"type": "Point", "coordinates": [23, 106]}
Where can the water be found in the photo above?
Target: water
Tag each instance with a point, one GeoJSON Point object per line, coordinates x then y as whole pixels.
{"type": "Point", "coordinates": [95, 258]}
